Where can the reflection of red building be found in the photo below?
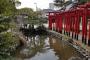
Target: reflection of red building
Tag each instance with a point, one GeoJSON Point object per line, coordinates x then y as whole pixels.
{"type": "Point", "coordinates": [64, 52]}
{"type": "Point", "coordinates": [69, 21]}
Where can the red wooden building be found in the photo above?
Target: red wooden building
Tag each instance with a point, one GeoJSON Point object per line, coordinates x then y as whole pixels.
{"type": "Point", "coordinates": [71, 21]}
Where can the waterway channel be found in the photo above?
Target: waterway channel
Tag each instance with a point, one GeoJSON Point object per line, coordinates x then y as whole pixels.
{"type": "Point", "coordinates": [46, 48]}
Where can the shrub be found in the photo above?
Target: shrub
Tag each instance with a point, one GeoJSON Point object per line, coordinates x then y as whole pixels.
{"type": "Point", "coordinates": [8, 43]}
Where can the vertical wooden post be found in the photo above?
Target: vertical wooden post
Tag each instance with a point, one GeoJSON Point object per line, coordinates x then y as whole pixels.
{"type": "Point", "coordinates": [84, 27]}
{"type": "Point", "coordinates": [84, 23]}
{"type": "Point", "coordinates": [64, 24]}
{"type": "Point", "coordinates": [77, 25]}
{"type": "Point", "coordinates": [69, 22]}
{"type": "Point", "coordinates": [60, 23]}
{"type": "Point", "coordinates": [50, 21]}
{"type": "Point", "coordinates": [74, 27]}
{"type": "Point", "coordinates": [89, 35]}
{"type": "Point", "coordinates": [72, 24]}
{"type": "Point", "coordinates": [56, 21]}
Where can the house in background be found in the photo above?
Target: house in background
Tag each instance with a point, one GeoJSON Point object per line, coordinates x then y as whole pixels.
{"type": "Point", "coordinates": [53, 7]}
{"type": "Point", "coordinates": [44, 12]}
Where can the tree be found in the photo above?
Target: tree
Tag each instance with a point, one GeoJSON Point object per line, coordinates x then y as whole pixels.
{"type": "Point", "coordinates": [82, 1]}
{"type": "Point", "coordinates": [8, 43]}
{"type": "Point", "coordinates": [8, 40]}
{"type": "Point", "coordinates": [4, 24]}
{"type": "Point", "coordinates": [7, 7]}
{"type": "Point", "coordinates": [59, 3]}
{"type": "Point", "coordinates": [32, 15]}
{"type": "Point", "coordinates": [7, 10]}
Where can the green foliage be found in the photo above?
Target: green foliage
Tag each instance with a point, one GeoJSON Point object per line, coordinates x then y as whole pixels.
{"type": "Point", "coordinates": [28, 11]}
{"type": "Point", "coordinates": [59, 3]}
{"type": "Point", "coordinates": [82, 1]}
{"type": "Point", "coordinates": [8, 43]}
{"type": "Point", "coordinates": [32, 15]}
{"type": "Point", "coordinates": [3, 27]}
{"type": "Point", "coordinates": [17, 3]}
{"type": "Point", "coordinates": [8, 40]}
{"type": "Point", "coordinates": [7, 7]}
{"type": "Point", "coordinates": [4, 23]}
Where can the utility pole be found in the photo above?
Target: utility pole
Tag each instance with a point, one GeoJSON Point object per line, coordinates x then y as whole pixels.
{"type": "Point", "coordinates": [36, 6]}
{"type": "Point", "coordinates": [36, 10]}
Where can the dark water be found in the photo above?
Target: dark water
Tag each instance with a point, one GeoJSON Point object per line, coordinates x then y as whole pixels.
{"type": "Point", "coordinates": [46, 48]}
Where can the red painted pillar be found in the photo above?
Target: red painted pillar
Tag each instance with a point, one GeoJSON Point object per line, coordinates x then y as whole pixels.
{"type": "Point", "coordinates": [64, 23]}
{"type": "Point", "coordinates": [77, 25]}
{"type": "Point", "coordinates": [88, 6]}
{"type": "Point", "coordinates": [84, 27]}
{"type": "Point", "coordinates": [67, 22]}
{"type": "Point", "coordinates": [57, 22]}
{"type": "Point", "coordinates": [89, 35]}
{"type": "Point", "coordinates": [73, 26]}
{"type": "Point", "coordinates": [84, 22]}
{"type": "Point", "coordinates": [56, 19]}
{"type": "Point", "coordinates": [50, 21]}
{"type": "Point", "coordinates": [75, 21]}
{"type": "Point", "coordinates": [66, 26]}
{"type": "Point", "coordinates": [60, 23]}
{"type": "Point", "coordinates": [70, 24]}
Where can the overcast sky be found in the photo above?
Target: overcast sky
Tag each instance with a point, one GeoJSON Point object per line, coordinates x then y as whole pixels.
{"type": "Point", "coordinates": [31, 3]}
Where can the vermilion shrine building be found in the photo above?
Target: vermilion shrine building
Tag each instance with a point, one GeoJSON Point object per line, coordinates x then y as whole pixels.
{"type": "Point", "coordinates": [69, 22]}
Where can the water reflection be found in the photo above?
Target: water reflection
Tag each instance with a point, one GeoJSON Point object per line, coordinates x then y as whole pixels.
{"type": "Point", "coordinates": [62, 50]}
{"type": "Point", "coordinates": [46, 48]}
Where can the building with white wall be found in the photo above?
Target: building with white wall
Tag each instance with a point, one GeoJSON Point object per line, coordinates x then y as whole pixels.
{"type": "Point", "coordinates": [44, 12]}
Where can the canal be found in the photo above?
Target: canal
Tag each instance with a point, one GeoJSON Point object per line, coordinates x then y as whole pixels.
{"type": "Point", "coordinates": [46, 48]}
